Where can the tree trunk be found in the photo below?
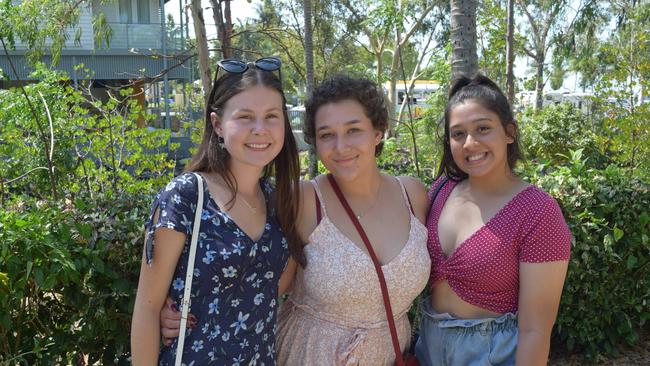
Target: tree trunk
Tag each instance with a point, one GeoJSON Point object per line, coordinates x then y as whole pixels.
{"type": "Point", "coordinates": [539, 82]}
{"type": "Point", "coordinates": [226, 42]}
{"type": "Point", "coordinates": [202, 45]}
{"type": "Point", "coordinates": [464, 61]}
{"type": "Point", "coordinates": [510, 54]}
{"type": "Point", "coordinates": [309, 76]}
{"type": "Point", "coordinates": [223, 22]}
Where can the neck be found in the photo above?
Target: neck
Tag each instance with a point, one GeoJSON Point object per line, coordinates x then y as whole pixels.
{"type": "Point", "coordinates": [365, 186]}
{"type": "Point", "coordinates": [247, 179]}
{"type": "Point", "coordinates": [495, 183]}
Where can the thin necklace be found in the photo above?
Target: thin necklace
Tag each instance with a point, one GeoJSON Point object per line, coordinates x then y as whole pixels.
{"type": "Point", "coordinates": [359, 216]}
{"type": "Point", "coordinates": [251, 207]}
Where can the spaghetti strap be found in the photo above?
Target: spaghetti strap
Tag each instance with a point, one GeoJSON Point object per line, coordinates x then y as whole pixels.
{"type": "Point", "coordinates": [320, 203]}
{"type": "Point", "coordinates": [407, 199]}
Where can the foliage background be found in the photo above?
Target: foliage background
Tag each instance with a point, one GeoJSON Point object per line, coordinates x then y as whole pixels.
{"type": "Point", "coordinates": [69, 265]}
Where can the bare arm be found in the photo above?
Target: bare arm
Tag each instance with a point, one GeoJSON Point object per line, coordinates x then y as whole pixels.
{"type": "Point", "coordinates": [286, 280]}
{"type": "Point", "coordinates": [152, 291]}
{"type": "Point", "coordinates": [540, 288]}
{"type": "Point", "coordinates": [418, 195]}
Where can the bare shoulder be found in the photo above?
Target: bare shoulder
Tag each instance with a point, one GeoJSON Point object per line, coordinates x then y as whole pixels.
{"type": "Point", "coordinates": [307, 215]}
{"type": "Point", "coordinates": [417, 194]}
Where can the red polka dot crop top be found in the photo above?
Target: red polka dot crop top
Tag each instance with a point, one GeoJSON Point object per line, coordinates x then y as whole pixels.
{"type": "Point", "coordinates": [484, 269]}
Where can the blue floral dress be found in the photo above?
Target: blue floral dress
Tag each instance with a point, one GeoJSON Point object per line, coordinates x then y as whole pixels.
{"type": "Point", "coordinates": [235, 286]}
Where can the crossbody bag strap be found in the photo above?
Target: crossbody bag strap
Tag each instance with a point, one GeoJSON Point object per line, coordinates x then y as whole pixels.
{"type": "Point", "coordinates": [380, 274]}
{"type": "Point", "coordinates": [190, 270]}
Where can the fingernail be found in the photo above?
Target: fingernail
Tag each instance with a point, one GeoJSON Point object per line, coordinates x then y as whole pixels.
{"type": "Point", "coordinates": [193, 318]}
{"type": "Point", "coordinates": [174, 307]}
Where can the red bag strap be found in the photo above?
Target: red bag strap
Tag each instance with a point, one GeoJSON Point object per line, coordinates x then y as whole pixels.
{"type": "Point", "coordinates": [319, 215]}
{"type": "Point", "coordinates": [380, 274]}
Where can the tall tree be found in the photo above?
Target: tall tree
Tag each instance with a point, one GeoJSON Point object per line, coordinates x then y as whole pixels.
{"type": "Point", "coordinates": [510, 51]}
{"type": "Point", "coordinates": [389, 26]}
{"type": "Point", "coordinates": [543, 18]}
{"type": "Point", "coordinates": [223, 21]}
{"type": "Point", "coordinates": [202, 45]}
{"type": "Point", "coordinates": [464, 59]}
{"type": "Point", "coordinates": [309, 74]}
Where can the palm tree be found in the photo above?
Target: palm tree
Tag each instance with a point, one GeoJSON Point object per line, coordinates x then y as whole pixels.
{"type": "Point", "coordinates": [309, 75]}
{"type": "Point", "coordinates": [510, 54]}
{"type": "Point", "coordinates": [464, 61]}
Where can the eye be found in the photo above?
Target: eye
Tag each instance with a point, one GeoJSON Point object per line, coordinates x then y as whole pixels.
{"type": "Point", "coordinates": [244, 117]}
{"type": "Point", "coordinates": [484, 129]}
{"type": "Point", "coordinates": [456, 134]}
{"type": "Point", "coordinates": [325, 135]}
{"type": "Point", "coordinates": [272, 116]}
{"type": "Point", "coordinates": [354, 130]}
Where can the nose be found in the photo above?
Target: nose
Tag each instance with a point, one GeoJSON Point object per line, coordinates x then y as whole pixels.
{"type": "Point", "coordinates": [469, 140]}
{"type": "Point", "coordinates": [260, 126]}
{"type": "Point", "coordinates": [341, 144]}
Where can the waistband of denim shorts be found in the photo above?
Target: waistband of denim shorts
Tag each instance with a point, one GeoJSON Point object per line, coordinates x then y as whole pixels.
{"type": "Point", "coordinates": [446, 320]}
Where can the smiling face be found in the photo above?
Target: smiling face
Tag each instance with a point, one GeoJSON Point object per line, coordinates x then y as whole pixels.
{"type": "Point", "coordinates": [346, 139]}
{"type": "Point", "coordinates": [252, 126]}
{"type": "Point", "coordinates": [478, 140]}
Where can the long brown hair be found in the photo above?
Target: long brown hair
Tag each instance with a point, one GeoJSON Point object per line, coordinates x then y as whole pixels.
{"type": "Point", "coordinates": [284, 169]}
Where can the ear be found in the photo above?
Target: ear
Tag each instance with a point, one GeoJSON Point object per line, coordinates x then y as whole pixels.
{"type": "Point", "coordinates": [378, 136]}
{"type": "Point", "coordinates": [511, 132]}
{"type": "Point", "coordinates": [216, 124]}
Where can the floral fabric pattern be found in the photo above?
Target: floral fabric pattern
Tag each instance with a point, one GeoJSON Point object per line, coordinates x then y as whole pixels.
{"type": "Point", "coordinates": [235, 283]}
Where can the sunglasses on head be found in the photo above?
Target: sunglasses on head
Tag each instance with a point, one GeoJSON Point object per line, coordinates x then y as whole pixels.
{"type": "Point", "coordinates": [235, 66]}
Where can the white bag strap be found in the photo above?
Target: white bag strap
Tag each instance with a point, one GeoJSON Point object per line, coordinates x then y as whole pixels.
{"type": "Point", "coordinates": [190, 270]}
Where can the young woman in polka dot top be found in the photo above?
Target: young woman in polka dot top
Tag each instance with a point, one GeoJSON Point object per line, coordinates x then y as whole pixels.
{"type": "Point", "coordinates": [499, 246]}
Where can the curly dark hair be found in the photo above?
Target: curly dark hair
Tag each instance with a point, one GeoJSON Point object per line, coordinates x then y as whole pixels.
{"type": "Point", "coordinates": [344, 87]}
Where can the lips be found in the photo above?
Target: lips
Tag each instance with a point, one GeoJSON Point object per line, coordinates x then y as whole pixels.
{"type": "Point", "coordinates": [345, 159]}
{"type": "Point", "coordinates": [257, 146]}
{"type": "Point", "coordinates": [476, 157]}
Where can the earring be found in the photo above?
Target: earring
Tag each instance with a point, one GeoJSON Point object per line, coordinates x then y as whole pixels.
{"type": "Point", "coordinates": [220, 141]}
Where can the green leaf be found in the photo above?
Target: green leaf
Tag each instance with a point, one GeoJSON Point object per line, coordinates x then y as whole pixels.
{"type": "Point", "coordinates": [4, 279]}
{"type": "Point", "coordinates": [631, 261]}
{"type": "Point", "coordinates": [618, 233]}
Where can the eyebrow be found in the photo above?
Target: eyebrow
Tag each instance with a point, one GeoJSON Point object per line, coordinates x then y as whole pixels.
{"type": "Point", "coordinates": [480, 119]}
{"type": "Point", "coordinates": [251, 111]}
{"type": "Point", "coordinates": [350, 122]}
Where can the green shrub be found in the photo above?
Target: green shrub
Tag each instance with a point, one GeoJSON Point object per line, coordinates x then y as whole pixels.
{"type": "Point", "coordinates": [549, 135]}
{"type": "Point", "coordinates": [606, 298]}
{"type": "Point", "coordinates": [69, 277]}
{"type": "Point", "coordinates": [69, 267]}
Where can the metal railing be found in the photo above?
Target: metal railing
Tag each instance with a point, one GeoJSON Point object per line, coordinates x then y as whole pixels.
{"type": "Point", "coordinates": [143, 36]}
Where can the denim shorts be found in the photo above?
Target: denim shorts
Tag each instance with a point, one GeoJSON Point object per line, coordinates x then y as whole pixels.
{"type": "Point", "coordinates": [447, 341]}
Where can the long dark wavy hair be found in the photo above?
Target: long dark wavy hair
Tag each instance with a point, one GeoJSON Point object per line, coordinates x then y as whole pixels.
{"type": "Point", "coordinates": [284, 169]}
{"type": "Point", "coordinates": [484, 91]}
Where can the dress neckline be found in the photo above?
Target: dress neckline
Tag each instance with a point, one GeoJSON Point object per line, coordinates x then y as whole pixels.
{"type": "Point", "coordinates": [267, 219]}
{"type": "Point", "coordinates": [477, 231]}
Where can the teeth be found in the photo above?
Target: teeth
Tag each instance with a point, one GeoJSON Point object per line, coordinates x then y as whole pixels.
{"type": "Point", "coordinates": [476, 157]}
{"type": "Point", "coordinates": [258, 146]}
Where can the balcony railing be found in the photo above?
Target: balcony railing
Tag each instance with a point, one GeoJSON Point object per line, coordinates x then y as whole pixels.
{"type": "Point", "coordinates": [143, 36]}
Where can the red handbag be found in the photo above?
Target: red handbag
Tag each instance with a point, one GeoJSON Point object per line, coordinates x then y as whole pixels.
{"type": "Point", "coordinates": [400, 360]}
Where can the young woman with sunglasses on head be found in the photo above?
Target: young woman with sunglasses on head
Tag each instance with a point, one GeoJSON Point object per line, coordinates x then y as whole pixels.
{"type": "Point", "coordinates": [499, 246]}
{"type": "Point", "coordinates": [244, 233]}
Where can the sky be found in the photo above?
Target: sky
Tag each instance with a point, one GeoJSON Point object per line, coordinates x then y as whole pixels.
{"type": "Point", "coordinates": [240, 9]}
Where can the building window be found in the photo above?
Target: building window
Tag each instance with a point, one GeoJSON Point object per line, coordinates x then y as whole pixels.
{"type": "Point", "coordinates": [143, 12]}
{"type": "Point", "coordinates": [126, 13]}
